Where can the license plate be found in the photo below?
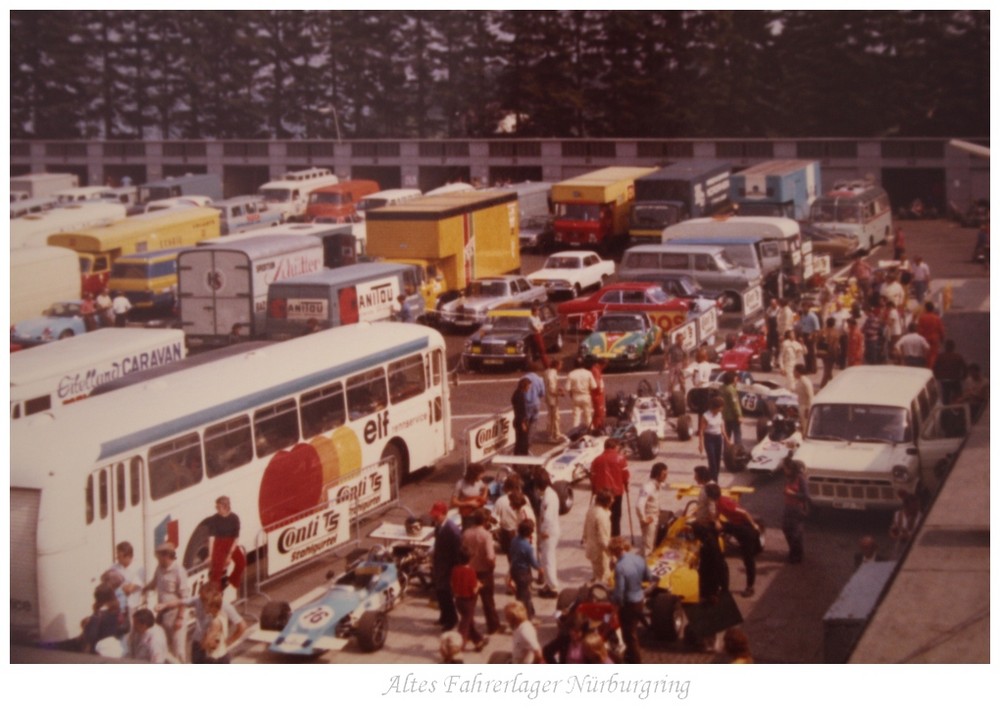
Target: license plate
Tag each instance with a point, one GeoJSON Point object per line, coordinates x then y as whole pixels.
{"type": "Point", "coordinates": [848, 505]}
{"type": "Point", "coordinates": [492, 362]}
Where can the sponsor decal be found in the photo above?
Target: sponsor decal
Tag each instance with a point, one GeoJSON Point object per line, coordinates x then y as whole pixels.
{"type": "Point", "coordinates": [77, 385]}
{"type": "Point", "coordinates": [488, 438]}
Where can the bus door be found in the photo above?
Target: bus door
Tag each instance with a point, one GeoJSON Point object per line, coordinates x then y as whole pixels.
{"type": "Point", "coordinates": [437, 403]}
{"type": "Point", "coordinates": [215, 293]}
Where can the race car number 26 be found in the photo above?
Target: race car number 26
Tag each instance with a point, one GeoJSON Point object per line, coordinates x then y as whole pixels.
{"type": "Point", "coordinates": [316, 617]}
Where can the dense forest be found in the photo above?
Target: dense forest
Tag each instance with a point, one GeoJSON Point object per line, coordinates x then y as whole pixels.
{"type": "Point", "coordinates": [284, 74]}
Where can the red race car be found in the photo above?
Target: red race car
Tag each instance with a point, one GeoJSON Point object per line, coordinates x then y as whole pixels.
{"type": "Point", "coordinates": [740, 353]}
{"type": "Point", "coordinates": [667, 312]}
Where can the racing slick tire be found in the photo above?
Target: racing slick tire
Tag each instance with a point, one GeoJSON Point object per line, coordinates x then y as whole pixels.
{"type": "Point", "coordinates": [763, 425]}
{"type": "Point", "coordinates": [567, 596]}
{"type": "Point", "coordinates": [684, 428]}
{"type": "Point", "coordinates": [766, 361]}
{"type": "Point", "coordinates": [677, 405]}
{"type": "Point", "coordinates": [667, 619]}
{"type": "Point", "coordinates": [736, 458]}
{"type": "Point", "coordinates": [648, 444]}
{"type": "Point", "coordinates": [564, 490]}
{"type": "Point", "coordinates": [275, 616]}
{"type": "Point", "coordinates": [373, 629]}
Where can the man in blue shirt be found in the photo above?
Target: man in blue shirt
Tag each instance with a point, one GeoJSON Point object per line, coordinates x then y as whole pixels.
{"type": "Point", "coordinates": [808, 327]}
{"type": "Point", "coordinates": [522, 561]}
{"type": "Point", "coordinates": [631, 571]}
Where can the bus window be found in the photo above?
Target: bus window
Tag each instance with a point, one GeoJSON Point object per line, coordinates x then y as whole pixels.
{"type": "Point", "coordinates": [436, 361]}
{"type": "Point", "coordinates": [174, 465]}
{"type": "Point", "coordinates": [323, 410]}
{"type": "Point", "coordinates": [366, 393]}
{"type": "Point", "coordinates": [406, 378]}
{"type": "Point", "coordinates": [120, 487]}
{"type": "Point", "coordinates": [135, 481]}
{"type": "Point", "coordinates": [102, 493]}
{"type": "Point", "coordinates": [37, 405]}
{"type": "Point", "coordinates": [276, 427]}
{"type": "Point", "coordinates": [89, 499]}
{"type": "Point", "coordinates": [228, 445]}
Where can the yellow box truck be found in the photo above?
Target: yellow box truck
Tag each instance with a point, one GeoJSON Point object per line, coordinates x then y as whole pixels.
{"type": "Point", "coordinates": [455, 237]}
{"type": "Point", "coordinates": [593, 209]}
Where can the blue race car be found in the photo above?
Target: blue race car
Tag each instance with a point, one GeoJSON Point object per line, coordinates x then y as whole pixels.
{"type": "Point", "coordinates": [61, 320]}
{"type": "Point", "coordinates": [354, 605]}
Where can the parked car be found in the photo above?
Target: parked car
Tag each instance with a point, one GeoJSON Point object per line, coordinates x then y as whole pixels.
{"type": "Point", "coordinates": [536, 233]}
{"type": "Point", "coordinates": [60, 321]}
{"type": "Point", "coordinates": [622, 339]}
{"type": "Point", "coordinates": [666, 312]}
{"type": "Point", "coordinates": [841, 248]}
{"type": "Point", "coordinates": [488, 294]}
{"type": "Point", "coordinates": [508, 338]}
{"type": "Point", "coordinates": [568, 273]}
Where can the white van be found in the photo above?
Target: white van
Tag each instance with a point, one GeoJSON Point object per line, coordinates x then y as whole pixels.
{"type": "Point", "coordinates": [876, 430]}
{"type": "Point", "coordinates": [290, 193]}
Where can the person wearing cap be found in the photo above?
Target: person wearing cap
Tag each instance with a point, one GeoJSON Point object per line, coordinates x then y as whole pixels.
{"type": "Point", "coordinates": [447, 545]}
{"type": "Point", "coordinates": [170, 582]}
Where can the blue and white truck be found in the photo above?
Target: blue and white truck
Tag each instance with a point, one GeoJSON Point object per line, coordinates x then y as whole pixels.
{"type": "Point", "coordinates": [692, 188]}
{"type": "Point", "coordinates": [776, 189]}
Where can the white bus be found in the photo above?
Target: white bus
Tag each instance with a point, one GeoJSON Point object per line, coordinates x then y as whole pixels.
{"type": "Point", "coordinates": [277, 429]}
{"type": "Point", "coordinates": [857, 208]}
{"type": "Point", "coordinates": [58, 373]}
{"type": "Point", "coordinates": [290, 193]}
{"type": "Point", "coordinates": [33, 230]}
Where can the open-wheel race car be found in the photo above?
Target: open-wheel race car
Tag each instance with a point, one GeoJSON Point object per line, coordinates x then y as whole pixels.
{"type": "Point", "coordinates": [744, 349]}
{"type": "Point", "coordinates": [777, 437]}
{"type": "Point", "coordinates": [566, 464]}
{"type": "Point", "coordinates": [355, 605]}
{"type": "Point", "coordinates": [673, 602]}
{"type": "Point", "coordinates": [644, 419]}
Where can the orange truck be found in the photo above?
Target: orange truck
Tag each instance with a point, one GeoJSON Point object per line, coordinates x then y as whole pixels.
{"type": "Point", "coordinates": [593, 209]}
{"type": "Point", "coordinates": [338, 203]}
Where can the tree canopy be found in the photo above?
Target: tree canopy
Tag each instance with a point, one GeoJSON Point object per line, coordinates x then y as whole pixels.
{"type": "Point", "coordinates": [145, 74]}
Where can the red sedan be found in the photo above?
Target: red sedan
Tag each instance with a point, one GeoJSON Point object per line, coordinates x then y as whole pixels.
{"type": "Point", "coordinates": [666, 311]}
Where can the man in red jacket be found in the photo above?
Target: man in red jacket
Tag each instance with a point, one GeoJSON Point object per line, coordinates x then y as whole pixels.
{"type": "Point", "coordinates": [609, 471]}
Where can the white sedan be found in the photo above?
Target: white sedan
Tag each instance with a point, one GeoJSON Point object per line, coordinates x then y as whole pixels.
{"type": "Point", "coordinates": [566, 274]}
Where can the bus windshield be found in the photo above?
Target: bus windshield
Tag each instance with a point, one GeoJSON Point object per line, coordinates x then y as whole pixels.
{"type": "Point", "coordinates": [859, 423]}
{"type": "Point", "coordinates": [827, 211]}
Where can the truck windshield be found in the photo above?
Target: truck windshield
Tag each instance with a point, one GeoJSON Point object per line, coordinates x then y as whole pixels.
{"type": "Point", "coordinates": [654, 216]}
{"type": "Point", "coordinates": [277, 195]}
{"type": "Point", "coordinates": [859, 423]}
{"type": "Point", "coordinates": [328, 198]}
{"type": "Point", "coordinates": [769, 210]}
{"type": "Point", "coordinates": [578, 211]}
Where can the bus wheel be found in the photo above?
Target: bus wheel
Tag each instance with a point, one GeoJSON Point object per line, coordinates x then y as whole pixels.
{"type": "Point", "coordinates": [397, 456]}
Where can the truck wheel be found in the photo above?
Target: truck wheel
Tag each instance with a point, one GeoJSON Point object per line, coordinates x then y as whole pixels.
{"type": "Point", "coordinates": [648, 445]}
{"type": "Point", "coordinates": [763, 424]}
{"type": "Point", "coordinates": [766, 360]}
{"type": "Point", "coordinates": [567, 596]}
{"type": "Point", "coordinates": [373, 628]}
{"type": "Point", "coordinates": [565, 492]}
{"type": "Point", "coordinates": [684, 427]}
{"type": "Point", "coordinates": [667, 617]}
{"type": "Point", "coordinates": [275, 616]}
{"type": "Point", "coordinates": [677, 405]}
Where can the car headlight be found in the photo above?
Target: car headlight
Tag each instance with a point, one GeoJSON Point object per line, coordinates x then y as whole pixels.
{"type": "Point", "coordinates": [518, 347]}
{"type": "Point", "coordinates": [901, 474]}
{"type": "Point", "coordinates": [630, 350]}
